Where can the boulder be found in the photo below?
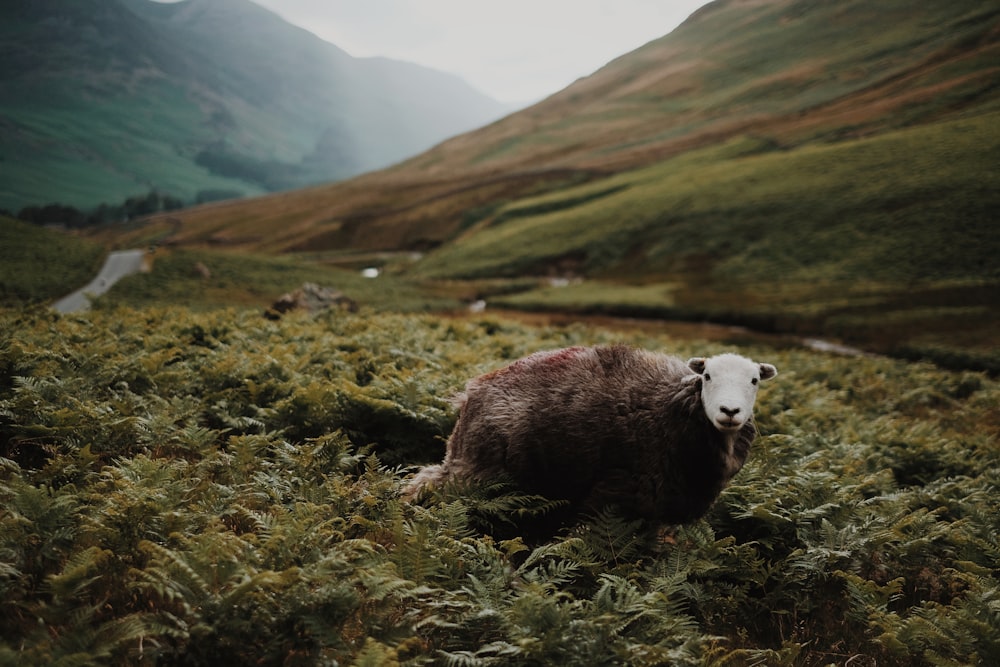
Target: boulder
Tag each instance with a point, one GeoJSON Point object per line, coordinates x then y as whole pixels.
{"type": "Point", "coordinates": [311, 298]}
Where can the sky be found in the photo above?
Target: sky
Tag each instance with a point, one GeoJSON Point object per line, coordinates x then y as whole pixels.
{"type": "Point", "coordinates": [516, 51]}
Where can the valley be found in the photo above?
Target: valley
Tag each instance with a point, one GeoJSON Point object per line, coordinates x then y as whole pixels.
{"type": "Point", "coordinates": [191, 474]}
{"type": "Point", "coordinates": [771, 165]}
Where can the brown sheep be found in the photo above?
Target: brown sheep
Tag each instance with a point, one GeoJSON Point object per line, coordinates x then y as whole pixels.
{"type": "Point", "coordinates": [648, 432]}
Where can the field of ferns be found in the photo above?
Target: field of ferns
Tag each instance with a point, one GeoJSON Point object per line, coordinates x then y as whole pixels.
{"type": "Point", "coordinates": [220, 488]}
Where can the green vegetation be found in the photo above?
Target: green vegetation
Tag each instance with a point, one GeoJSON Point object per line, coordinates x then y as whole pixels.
{"type": "Point", "coordinates": [255, 281]}
{"type": "Point", "coordinates": [106, 150]}
{"type": "Point", "coordinates": [896, 207]}
{"type": "Point", "coordinates": [183, 488]}
{"type": "Point", "coordinates": [952, 323]}
{"type": "Point", "coordinates": [816, 169]}
{"type": "Point", "coordinates": [884, 242]}
{"type": "Point", "coordinates": [102, 101]}
{"type": "Point", "coordinates": [816, 83]}
{"type": "Point", "coordinates": [185, 480]}
{"type": "Point", "coordinates": [38, 265]}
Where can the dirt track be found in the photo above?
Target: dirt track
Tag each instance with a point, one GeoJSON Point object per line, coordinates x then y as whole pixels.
{"type": "Point", "coordinates": [116, 266]}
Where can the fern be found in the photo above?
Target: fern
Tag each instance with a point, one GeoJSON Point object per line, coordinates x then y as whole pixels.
{"type": "Point", "coordinates": [198, 488]}
{"type": "Point", "coordinates": [614, 539]}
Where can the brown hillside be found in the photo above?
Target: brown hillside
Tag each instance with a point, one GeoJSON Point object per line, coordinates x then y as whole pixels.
{"type": "Point", "coordinates": [783, 72]}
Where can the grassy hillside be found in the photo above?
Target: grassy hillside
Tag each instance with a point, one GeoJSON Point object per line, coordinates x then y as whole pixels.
{"type": "Point", "coordinates": [897, 207]}
{"type": "Point", "coordinates": [105, 99]}
{"type": "Point", "coordinates": [884, 242]}
{"type": "Point", "coordinates": [248, 281]}
{"type": "Point", "coordinates": [39, 265]}
{"type": "Point", "coordinates": [819, 168]}
{"type": "Point", "coordinates": [107, 150]}
{"type": "Point", "coordinates": [219, 488]}
{"type": "Point", "coordinates": [778, 75]}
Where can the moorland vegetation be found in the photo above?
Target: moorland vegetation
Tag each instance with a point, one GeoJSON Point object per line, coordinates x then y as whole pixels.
{"type": "Point", "coordinates": [217, 487]}
{"type": "Point", "coordinates": [38, 266]}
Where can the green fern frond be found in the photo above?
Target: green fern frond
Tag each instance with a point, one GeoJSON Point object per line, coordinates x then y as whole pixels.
{"type": "Point", "coordinates": [172, 576]}
{"type": "Point", "coordinates": [614, 538]}
{"type": "Point", "coordinates": [375, 654]}
{"type": "Point", "coordinates": [494, 653]}
{"type": "Point", "coordinates": [217, 488]}
{"type": "Point", "coordinates": [81, 570]}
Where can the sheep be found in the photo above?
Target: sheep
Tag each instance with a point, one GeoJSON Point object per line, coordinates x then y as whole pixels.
{"type": "Point", "coordinates": [607, 425]}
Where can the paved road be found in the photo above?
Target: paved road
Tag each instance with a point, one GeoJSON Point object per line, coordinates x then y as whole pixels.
{"type": "Point", "coordinates": [116, 266]}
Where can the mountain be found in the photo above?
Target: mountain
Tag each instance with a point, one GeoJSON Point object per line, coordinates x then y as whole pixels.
{"type": "Point", "coordinates": [103, 99]}
{"type": "Point", "coordinates": [811, 166]}
{"type": "Point", "coordinates": [719, 109]}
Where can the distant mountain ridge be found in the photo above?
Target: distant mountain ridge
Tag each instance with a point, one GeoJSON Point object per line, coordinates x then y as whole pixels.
{"type": "Point", "coordinates": [739, 80]}
{"type": "Point", "coordinates": [816, 167]}
{"type": "Point", "coordinates": [102, 99]}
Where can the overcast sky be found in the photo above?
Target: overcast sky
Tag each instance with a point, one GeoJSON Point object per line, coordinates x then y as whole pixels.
{"type": "Point", "coordinates": [516, 51]}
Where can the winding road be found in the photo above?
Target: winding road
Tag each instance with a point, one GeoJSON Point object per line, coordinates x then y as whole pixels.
{"type": "Point", "coordinates": [116, 266]}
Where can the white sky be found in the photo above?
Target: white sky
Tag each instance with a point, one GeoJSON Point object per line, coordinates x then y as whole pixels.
{"type": "Point", "coordinates": [516, 51]}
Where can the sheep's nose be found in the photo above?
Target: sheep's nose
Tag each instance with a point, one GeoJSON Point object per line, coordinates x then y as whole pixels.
{"type": "Point", "coordinates": [730, 412]}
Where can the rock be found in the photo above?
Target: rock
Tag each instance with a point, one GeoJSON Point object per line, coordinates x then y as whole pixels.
{"type": "Point", "coordinates": [202, 270]}
{"type": "Point", "coordinates": [311, 298]}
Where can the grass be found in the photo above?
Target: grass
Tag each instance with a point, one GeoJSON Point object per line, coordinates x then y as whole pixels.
{"type": "Point", "coordinates": [814, 169]}
{"type": "Point", "coordinates": [199, 488]}
{"type": "Point", "coordinates": [762, 78]}
{"type": "Point", "coordinates": [882, 242]}
{"type": "Point", "coordinates": [255, 281]}
{"type": "Point", "coordinates": [951, 323]}
{"type": "Point", "coordinates": [110, 149]}
{"type": "Point", "coordinates": [39, 265]}
{"type": "Point", "coordinates": [99, 126]}
{"type": "Point", "coordinates": [653, 300]}
{"type": "Point", "coordinates": [859, 207]}
{"type": "Point", "coordinates": [895, 207]}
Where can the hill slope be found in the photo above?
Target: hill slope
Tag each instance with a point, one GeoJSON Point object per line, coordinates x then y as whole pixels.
{"type": "Point", "coordinates": [772, 76]}
{"type": "Point", "coordinates": [799, 166]}
{"type": "Point", "coordinates": [39, 265]}
{"type": "Point", "coordinates": [102, 100]}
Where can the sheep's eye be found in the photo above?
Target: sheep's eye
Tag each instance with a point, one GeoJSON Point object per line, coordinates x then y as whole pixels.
{"type": "Point", "coordinates": [754, 381]}
{"type": "Point", "coordinates": [707, 377]}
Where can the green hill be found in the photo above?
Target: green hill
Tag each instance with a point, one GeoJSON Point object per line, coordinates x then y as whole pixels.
{"type": "Point", "coordinates": [819, 168]}
{"type": "Point", "coordinates": [906, 205]}
{"type": "Point", "coordinates": [38, 265]}
{"type": "Point", "coordinates": [105, 99]}
{"type": "Point", "coordinates": [703, 116]}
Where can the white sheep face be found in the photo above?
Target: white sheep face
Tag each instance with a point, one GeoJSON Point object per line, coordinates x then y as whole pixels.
{"type": "Point", "coordinates": [729, 385]}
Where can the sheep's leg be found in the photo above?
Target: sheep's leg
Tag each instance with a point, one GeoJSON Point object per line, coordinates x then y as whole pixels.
{"type": "Point", "coordinates": [428, 475]}
{"type": "Point", "coordinates": [474, 452]}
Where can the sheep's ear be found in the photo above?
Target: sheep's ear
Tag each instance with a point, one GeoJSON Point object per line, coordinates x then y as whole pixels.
{"type": "Point", "coordinates": [697, 364]}
{"type": "Point", "coordinates": [767, 371]}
